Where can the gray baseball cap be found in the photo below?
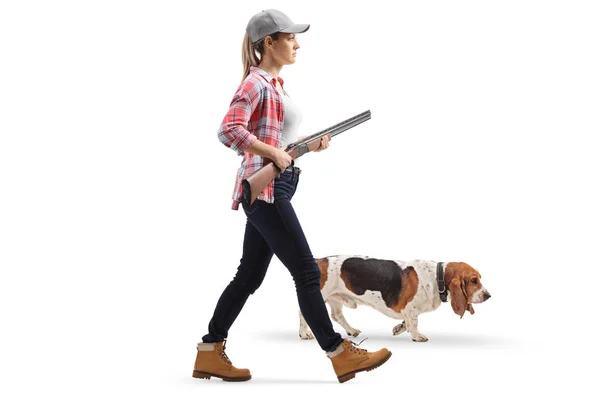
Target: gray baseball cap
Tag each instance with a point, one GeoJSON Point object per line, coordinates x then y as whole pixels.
{"type": "Point", "coordinates": [268, 22]}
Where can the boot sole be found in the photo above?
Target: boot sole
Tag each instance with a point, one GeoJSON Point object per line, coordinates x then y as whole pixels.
{"type": "Point", "coordinates": [346, 377]}
{"type": "Point", "coordinates": [208, 375]}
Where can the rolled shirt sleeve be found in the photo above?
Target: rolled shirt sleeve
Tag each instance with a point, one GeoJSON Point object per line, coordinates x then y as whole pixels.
{"type": "Point", "coordinates": [233, 131]}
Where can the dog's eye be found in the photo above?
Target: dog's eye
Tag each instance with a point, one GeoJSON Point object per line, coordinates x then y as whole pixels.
{"type": "Point", "coordinates": [474, 280]}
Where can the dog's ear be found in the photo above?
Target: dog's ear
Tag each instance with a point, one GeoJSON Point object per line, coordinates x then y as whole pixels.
{"type": "Point", "coordinates": [458, 297]}
{"type": "Point", "coordinates": [463, 285]}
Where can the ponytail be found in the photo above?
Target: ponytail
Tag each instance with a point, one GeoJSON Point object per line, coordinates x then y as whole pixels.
{"type": "Point", "coordinates": [252, 53]}
{"type": "Point", "coordinates": [249, 56]}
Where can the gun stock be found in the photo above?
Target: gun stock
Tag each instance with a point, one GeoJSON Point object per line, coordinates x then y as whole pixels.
{"type": "Point", "coordinates": [254, 184]}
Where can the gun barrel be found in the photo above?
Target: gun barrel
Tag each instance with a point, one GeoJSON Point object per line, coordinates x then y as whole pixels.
{"type": "Point", "coordinates": [337, 128]}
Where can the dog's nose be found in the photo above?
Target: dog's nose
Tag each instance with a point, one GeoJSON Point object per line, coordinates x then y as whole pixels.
{"type": "Point", "coordinates": [486, 296]}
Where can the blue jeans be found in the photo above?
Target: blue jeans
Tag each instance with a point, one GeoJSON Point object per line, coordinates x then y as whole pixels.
{"type": "Point", "coordinates": [274, 228]}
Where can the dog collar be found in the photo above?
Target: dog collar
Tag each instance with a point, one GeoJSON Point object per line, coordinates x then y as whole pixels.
{"type": "Point", "coordinates": [442, 290]}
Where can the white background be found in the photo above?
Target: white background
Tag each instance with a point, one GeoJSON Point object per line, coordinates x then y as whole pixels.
{"type": "Point", "coordinates": [117, 237]}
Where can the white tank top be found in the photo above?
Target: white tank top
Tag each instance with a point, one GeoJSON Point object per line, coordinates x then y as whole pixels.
{"type": "Point", "coordinates": [291, 121]}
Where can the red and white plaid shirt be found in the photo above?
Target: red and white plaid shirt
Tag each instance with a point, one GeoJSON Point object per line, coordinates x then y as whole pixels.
{"type": "Point", "coordinates": [255, 113]}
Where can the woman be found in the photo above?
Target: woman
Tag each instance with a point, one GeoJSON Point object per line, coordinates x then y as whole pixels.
{"type": "Point", "coordinates": [261, 121]}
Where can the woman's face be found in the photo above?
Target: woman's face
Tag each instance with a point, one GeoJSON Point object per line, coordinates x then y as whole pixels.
{"type": "Point", "coordinates": [284, 48]}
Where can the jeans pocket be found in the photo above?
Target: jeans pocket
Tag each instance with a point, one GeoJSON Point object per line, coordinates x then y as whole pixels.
{"type": "Point", "coordinates": [284, 189]}
{"type": "Point", "coordinates": [250, 209]}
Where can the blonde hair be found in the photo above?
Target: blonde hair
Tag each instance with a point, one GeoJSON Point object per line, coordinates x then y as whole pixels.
{"type": "Point", "coordinates": [250, 58]}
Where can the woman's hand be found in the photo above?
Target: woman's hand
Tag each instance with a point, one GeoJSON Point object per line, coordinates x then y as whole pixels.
{"type": "Point", "coordinates": [324, 143]}
{"type": "Point", "coordinates": [281, 158]}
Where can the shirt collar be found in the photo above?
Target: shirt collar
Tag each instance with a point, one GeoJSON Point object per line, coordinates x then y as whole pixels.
{"type": "Point", "coordinates": [266, 76]}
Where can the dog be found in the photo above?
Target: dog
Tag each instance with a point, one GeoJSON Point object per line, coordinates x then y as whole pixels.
{"type": "Point", "coordinates": [399, 289]}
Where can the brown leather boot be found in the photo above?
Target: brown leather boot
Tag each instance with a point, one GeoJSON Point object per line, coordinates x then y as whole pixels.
{"type": "Point", "coordinates": [348, 359]}
{"type": "Point", "coordinates": [211, 360]}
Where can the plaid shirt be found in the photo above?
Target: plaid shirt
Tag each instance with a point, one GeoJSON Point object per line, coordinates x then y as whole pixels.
{"type": "Point", "coordinates": [255, 113]}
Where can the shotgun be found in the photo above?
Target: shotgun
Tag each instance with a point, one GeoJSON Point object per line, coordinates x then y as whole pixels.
{"type": "Point", "coordinates": [253, 185]}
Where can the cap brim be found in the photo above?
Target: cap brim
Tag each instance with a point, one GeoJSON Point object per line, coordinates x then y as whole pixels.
{"type": "Point", "coordinates": [298, 28]}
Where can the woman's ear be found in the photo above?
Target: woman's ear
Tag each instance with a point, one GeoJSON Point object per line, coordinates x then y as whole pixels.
{"type": "Point", "coordinates": [458, 296]}
{"type": "Point", "coordinates": [268, 42]}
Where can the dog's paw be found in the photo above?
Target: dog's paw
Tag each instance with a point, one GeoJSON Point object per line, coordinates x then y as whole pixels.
{"type": "Point", "coordinates": [398, 329]}
{"type": "Point", "coordinates": [353, 332]}
{"type": "Point", "coordinates": [306, 335]}
{"type": "Point", "coordinates": [420, 338]}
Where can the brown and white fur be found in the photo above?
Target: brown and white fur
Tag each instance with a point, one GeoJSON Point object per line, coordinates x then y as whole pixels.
{"type": "Point", "coordinates": [399, 289]}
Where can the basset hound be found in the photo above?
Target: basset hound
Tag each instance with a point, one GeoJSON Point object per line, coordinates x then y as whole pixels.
{"type": "Point", "coordinates": [398, 289]}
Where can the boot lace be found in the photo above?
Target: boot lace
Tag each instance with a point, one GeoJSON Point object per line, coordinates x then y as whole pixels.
{"type": "Point", "coordinates": [223, 355]}
{"type": "Point", "coordinates": [355, 349]}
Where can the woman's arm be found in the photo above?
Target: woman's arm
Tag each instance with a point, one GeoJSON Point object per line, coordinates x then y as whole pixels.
{"type": "Point", "coordinates": [232, 131]}
{"type": "Point", "coordinates": [262, 149]}
{"type": "Point", "coordinates": [279, 156]}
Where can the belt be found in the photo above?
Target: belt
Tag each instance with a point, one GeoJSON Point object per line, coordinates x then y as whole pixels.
{"type": "Point", "coordinates": [293, 169]}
